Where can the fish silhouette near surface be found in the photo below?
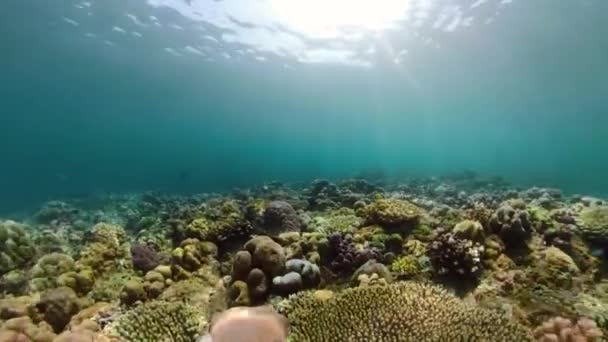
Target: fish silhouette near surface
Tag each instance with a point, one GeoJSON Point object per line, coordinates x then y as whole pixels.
{"type": "Point", "coordinates": [248, 324]}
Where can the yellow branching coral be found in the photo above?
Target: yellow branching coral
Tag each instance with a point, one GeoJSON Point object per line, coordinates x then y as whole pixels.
{"type": "Point", "coordinates": [404, 311]}
{"type": "Point", "coordinates": [405, 266]}
{"type": "Point", "coordinates": [158, 321]}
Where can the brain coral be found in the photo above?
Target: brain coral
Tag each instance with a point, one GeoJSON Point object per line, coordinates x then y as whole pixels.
{"type": "Point", "coordinates": [157, 321]}
{"type": "Point", "coordinates": [403, 311]}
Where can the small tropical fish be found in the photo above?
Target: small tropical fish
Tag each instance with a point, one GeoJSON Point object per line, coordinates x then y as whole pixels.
{"type": "Point", "coordinates": [248, 324]}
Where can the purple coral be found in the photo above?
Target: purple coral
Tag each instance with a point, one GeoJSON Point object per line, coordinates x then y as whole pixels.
{"type": "Point", "coordinates": [345, 256]}
{"type": "Point", "coordinates": [145, 258]}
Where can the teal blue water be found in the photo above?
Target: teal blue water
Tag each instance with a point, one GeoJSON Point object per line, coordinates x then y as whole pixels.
{"type": "Point", "coordinates": [189, 96]}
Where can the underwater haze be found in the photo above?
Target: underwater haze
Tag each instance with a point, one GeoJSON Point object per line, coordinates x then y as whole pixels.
{"type": "Point", "coordinates": [203, 95]}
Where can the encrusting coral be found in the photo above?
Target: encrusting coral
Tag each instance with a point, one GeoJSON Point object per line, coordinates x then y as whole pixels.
{"type": "Point", "coordinates": [399, 312]}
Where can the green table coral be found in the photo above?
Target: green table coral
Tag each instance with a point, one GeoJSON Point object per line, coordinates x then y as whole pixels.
{"type": "Point", "coordinates": [404, 311]}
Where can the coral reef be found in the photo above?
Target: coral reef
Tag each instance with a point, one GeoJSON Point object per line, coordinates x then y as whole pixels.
{"type": "Point", "coordinates": [156, 267]}
{"type": "Point", "coordinates": [398, 312]}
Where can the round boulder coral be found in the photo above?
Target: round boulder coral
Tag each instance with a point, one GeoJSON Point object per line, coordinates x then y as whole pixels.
{"type": "Point", "coordinates": [280, 217]}
{"type": "Point", "coordinates": [266, 255]}
{"type": "Point", "coordinates": [392, 213]}
{"type": "Point", "coordinates": [398, 312]}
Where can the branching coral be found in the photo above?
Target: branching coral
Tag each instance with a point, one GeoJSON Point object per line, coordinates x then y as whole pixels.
{"type": "Point", "coordinates": [157, 321]}
{"type": "Point", "coordinates": [398, 312]}
{"type": "Point", "coordinates": [405, 266]}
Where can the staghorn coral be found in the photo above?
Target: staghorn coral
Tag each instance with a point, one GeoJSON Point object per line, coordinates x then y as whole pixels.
{"type": "Point", "coordinates": [16, 248]}
{"type": "Point", "coordinates": [157, 321]}
{"type": "Point", "coordinates": [392, 213]}
{"type": "Point", "coordinates": [561, 329]}
{"type": "Point", "coordinates": [402, 311]}
{"type": "Point", "coordinates": [593, 223]}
